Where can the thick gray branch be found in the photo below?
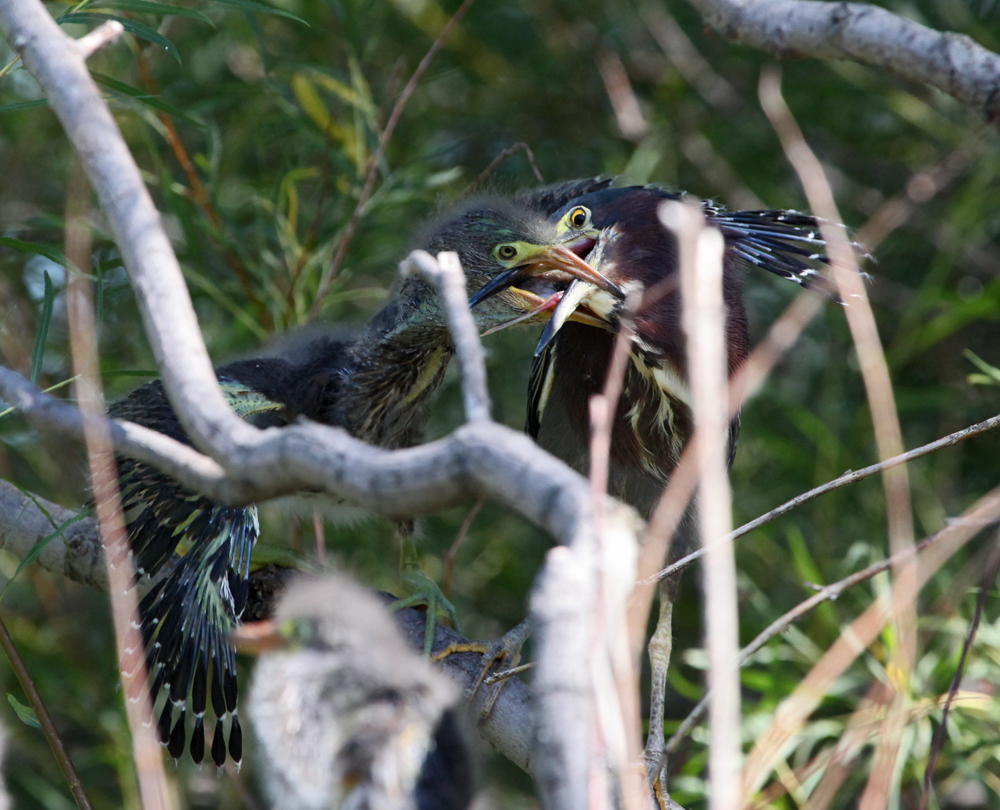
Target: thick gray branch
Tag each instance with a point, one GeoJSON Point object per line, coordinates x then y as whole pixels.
{"type": "Point", "coordinates": [78, 554]}
{"type": "Point", "coordinates": [953, 63]}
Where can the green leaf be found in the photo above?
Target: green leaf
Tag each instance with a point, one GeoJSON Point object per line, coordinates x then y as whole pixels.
{"type": "Point", "coordinates": [133, 27]}
{"type": "Point", "coordinates": [253, 5]}
{"type": "Point", "coordinates": [23, 105]}
{"type": "Point", "coordinates": [161, 9]}
{"type": "Point", "coordinates": [145, 98]}
{"type": "Point", "coordinates": [990, 375]}
{"type": "Point", "coordinates": [24, 713]}
{"type": "Point", "coordinates": [43, 330]}
{"type": "Point", "coordinates": [50, 253]}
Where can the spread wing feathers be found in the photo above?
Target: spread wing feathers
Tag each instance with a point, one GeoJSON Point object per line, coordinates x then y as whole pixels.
{"type": "Point", "coordinates": [785, 243]}
{"type": "Point", "coordinates": [187, 617]}
{"type": "Point", "coordinates": [186, 622]}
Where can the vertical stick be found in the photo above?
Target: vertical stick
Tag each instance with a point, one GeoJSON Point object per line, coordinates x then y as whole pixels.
{"type": "Point", "coordinates": [104, 478]}
{"type": "Point", "coordinates": [704, 324]}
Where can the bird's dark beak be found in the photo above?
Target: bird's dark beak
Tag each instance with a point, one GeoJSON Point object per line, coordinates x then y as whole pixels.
{"type": "Point", "coordinates": [544, 259]}
{"type": "Point", "coordinates": [257, 638]}
{"type": "Point", "coordinates": [498, 283]}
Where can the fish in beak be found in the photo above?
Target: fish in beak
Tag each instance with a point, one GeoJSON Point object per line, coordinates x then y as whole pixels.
{"type": "Point", "coordinates": [566, 310]}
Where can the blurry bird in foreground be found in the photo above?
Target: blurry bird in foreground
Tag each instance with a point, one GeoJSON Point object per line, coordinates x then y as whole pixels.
{"type": "Point", "coordinates": [346, 714]}
{"type": "Point", "coordinates": [377, 385]}
{"type": "Point", "coordinates": [620, 233]}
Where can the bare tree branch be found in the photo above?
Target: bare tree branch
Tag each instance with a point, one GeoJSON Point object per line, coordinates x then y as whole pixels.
{"type": "Point", "coordinates": [953, 63]}
{"type": "Point", "coordinates": [446, 274]}
{"type": "Point", "coordinates": [481, 459]}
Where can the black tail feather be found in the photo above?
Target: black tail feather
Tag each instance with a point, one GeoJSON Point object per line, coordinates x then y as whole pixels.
{"type": "Point", "coordinates": [777, 241]}
{"type": "Point", "coordinates": [218, 745]}
{"type": "Point", "coordinates": [186, 623]}
{"type": "Point", "coordinates": [198, 739]}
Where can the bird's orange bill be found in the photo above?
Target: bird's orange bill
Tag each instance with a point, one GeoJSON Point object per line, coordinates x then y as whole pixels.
{"type": "Point", "coordinates": [547, 305]}
{"type": "Point", "coordinates": [257, 638]}
{"type": "Point", "coordinates": [566, 310]}
{"type": "Point", "coordinates": [545, 259]}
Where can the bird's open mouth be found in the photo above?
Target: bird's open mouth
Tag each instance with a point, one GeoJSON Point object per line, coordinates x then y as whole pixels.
{"type": "Point", "coordinates": [550, 262]}
{"type": "Point", "coordinates": [540, 297]}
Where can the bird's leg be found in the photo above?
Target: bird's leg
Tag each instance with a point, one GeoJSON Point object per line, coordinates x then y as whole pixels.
{"type": "Point", "coordinates": [660, 647]}
{"type": "Point", "coordinates": [505, 653]}
{"type": "Point", "coordinates": [425, 591]}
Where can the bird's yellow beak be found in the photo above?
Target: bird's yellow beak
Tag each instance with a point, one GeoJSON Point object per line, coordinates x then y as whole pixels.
{"type": "Point", "coordinates": [538, 260]}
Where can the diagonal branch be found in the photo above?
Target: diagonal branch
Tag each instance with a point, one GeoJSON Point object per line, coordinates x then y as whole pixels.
{"type": "Point", "coordinates": [953, 63]}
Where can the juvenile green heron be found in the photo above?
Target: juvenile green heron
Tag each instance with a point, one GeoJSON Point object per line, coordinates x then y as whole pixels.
{"type": "Point", "coordinates": [620, 230]}
{"type": "Point", "coordinates": [376, 386]}
{"type": "Point", "coordinates": [346, 713]}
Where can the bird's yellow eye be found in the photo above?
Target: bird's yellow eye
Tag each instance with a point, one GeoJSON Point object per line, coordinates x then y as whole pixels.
{"type": "Point", "coordinates": [506, 252]}
{"type": "Point", "coordinates": [578, 217]}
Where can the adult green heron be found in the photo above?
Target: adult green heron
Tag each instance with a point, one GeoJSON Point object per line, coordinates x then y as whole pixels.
{"type": "Point", "coordinates": [376, 385]}
{"type": "Point", "coordinates": [346, 713]}
{"type": "Point", "coordinates": [620, 230]}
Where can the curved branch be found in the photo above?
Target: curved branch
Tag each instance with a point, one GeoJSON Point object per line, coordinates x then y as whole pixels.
{"type": "Point", "coordinates": [953, 63]}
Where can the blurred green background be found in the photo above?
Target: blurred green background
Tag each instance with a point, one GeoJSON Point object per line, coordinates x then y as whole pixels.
{"type": "Point", "coordinates": [279, 113]}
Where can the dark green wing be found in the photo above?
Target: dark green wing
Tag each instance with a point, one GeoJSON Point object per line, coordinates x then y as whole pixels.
{"type": "Point", "coordinates": [187, 617]}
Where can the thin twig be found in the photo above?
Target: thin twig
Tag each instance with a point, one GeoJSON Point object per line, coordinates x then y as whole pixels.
{"type": "Point", "coordinates": [937, 743]}
{"type": "Point", "coordinates": [621, 723]}
{"type": "Point", "coordinates": [44, 719]}
{"type": "Point", "coordinates": [847, 478]}
{"type": "Point", "coordinates": [330, 273]}
{"type": "Point", "coordinates": [827, 593]}
{"type": "Point", "coordinates": [319, 536]}
{"type": "Point", "coordinates": [104, 34]}
{"type": "Point", "coordinates": [487, 173]}
{"type": "Point", "coordinates": [463, 532]}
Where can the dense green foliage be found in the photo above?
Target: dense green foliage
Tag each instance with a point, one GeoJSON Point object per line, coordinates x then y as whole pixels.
{"type": "Point", "coordinates": [280, 115]}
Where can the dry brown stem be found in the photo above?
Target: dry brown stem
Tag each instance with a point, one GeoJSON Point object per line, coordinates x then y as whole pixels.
{"type": "Point", "coordinates": [885, 419]}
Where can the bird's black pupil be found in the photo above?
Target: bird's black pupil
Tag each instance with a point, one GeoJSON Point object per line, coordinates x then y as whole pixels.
{"type": "Point", "coordinates": [578, 218]}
